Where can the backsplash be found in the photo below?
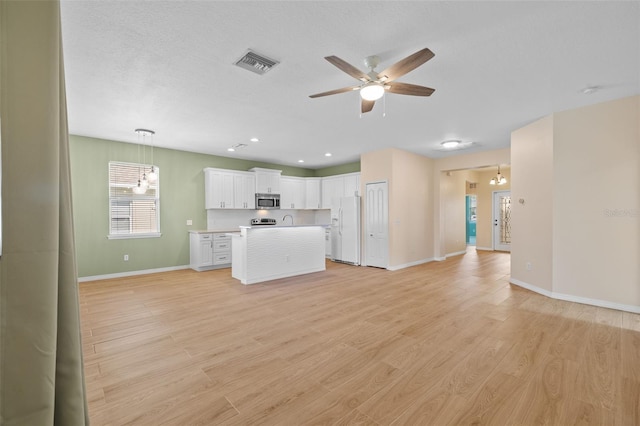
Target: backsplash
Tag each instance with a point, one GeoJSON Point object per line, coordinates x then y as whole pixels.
{"type": "Point", "coordinates": [231, 219]}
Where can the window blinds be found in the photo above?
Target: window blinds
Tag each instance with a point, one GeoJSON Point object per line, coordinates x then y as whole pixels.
{"type": "Point", "coordinates": [129, 213]}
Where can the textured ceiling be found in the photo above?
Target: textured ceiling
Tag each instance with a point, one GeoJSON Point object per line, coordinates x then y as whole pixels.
{"type": "Point", "coordinates": [168, 66]}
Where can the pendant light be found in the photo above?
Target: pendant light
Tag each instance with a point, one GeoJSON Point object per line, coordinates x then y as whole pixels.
{"type": "Point", "coordinates": [152, 177]}
{"type": "Point", "coordinates": [145, 179]}
{"type": "Point", "coordinates": [498, 179]}
{"type": "Point", "coordinates": [140, 188]}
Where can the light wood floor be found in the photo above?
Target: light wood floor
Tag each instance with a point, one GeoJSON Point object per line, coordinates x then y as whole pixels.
{"type": "Point", "coordinates": [443, 343]}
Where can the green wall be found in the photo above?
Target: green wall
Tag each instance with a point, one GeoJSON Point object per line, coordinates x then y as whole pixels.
{"type": "Point", "coordinates": [181, 198]}
{"type": "Point", "coordinates": [339, 170]}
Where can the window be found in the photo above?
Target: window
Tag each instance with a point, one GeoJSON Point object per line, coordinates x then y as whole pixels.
{"type": "Point", "coordinates": [133, 215]}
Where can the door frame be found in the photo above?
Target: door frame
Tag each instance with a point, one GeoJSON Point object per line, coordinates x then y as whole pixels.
{"type": "Point", "coordinates": [494, 218]}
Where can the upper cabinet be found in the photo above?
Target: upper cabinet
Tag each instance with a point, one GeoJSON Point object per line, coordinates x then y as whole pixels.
{"type": "Point", "coordinates": [228, 189]}
{"type": "Point", "coordinates": [244, 190]}
{"type": "Point", "coordinates": [338, 186]}
{"type": "Point", "coordinates": [267, 180]}
{"type": "Point", "coordinates": [312, 193]}
{"type": "Point", "coordinates": [351, 184]}
{"type": "Point", "coordinates": [292, 192]}
{"type": "Point", "coordinates": [218, 189]}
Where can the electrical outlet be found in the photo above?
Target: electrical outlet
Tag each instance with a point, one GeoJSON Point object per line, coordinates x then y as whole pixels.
{"type": "Point", "coordinates": [189, 222]}
{"type": "Point", "coordinates": [529, 266]}
{"type": "Point", "coordinates": [126, 257]}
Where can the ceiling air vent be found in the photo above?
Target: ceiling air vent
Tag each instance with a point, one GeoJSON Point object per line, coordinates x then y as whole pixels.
{"type": "Point", "coordinates": [255, 62]}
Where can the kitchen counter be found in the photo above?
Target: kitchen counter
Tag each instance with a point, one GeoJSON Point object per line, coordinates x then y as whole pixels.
{"type": "Point", "coordinates": [215, 231]}
{"type": "Point", "coordinates": [264, 253]}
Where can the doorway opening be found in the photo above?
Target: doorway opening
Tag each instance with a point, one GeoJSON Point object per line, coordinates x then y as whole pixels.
{"type": "Point", "coordinates": [470, 219]}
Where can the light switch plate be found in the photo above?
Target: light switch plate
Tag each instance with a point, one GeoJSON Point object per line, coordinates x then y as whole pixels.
{"type": "Point", "coordinates": [189, 222]}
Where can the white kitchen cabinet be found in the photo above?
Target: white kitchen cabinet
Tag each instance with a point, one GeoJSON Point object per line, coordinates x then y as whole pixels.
{"type": "Point", "coordinates": [346, 185]}
{"type": "Point", "coordinates": [351, 184]}
{"type": "Point", "coordinates": [292, 192]}
{"type": "Point", "coordinates": [244, 190]}
{"type": "Point", "coordinates": [222, 250]}
{"type": "Point", "coordinates": [218, 189]}
{"type": "Point", "coordinates": [209, 250]}
{"type": "Point", "coordinates": [267, 180]}
{"type": "Point", "coordinates": [312, 193]}
{"type": "Point", "coordinates": [332, 187]}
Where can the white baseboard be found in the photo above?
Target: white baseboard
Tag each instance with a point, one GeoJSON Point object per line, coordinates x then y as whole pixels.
{"type": "Point", "coordinates": [484, 248]}
{"type": "Point", "coordinates": [410, 264]}
{"type": "Point", "coordinates": [131, 273]}
{"type": "Point", "coordinates": [533, 288]}
{"type": "Point", "coordinates": [457, 253]}
{"type": "Point", "coordinates": [577, 299]}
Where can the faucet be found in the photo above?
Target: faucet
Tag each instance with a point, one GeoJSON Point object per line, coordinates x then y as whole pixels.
{"type": "Point", "coordinates": [285, 216]}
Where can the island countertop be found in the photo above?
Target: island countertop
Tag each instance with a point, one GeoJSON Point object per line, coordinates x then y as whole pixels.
{"type": "Point", "coordinates": [283, 226]}
{"type": "Point", "coordinates": [214, 231]}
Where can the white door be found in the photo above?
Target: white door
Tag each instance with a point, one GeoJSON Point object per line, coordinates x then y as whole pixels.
{"type": "Point", "coordinates": [502, 220]}
{"type": "Point", "coordinates": [377, 225]}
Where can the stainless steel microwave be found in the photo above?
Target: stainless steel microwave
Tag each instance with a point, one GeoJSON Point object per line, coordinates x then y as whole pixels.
{"type": "Point", "coordinates": [267, 201]}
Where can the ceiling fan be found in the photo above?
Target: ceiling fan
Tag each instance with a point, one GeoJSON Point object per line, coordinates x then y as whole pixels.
{"type": "Point", "coordinates": [374, 84]}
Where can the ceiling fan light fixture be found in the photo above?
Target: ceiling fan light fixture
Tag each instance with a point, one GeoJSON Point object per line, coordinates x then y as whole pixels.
{"type": "Point", "coordinates": [372, 91]}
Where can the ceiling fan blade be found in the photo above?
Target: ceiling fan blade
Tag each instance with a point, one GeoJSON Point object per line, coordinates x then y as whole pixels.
{"type": "Point", "coordinates": [367, 105]}
{"type": "Point", "coordinates": [348, 68]}
{"type": "Point", "coordinates": [335, 92]}
{"type": "Point", "coordinates": [409, 63]}
{"type": "Point", "coordinates": [409, 89]}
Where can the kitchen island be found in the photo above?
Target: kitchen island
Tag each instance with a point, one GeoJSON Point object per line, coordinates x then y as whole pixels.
{"type": "Point", "coordinates": [264, 253]}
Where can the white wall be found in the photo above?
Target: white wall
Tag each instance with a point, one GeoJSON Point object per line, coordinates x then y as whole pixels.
{"type": "Point", "coordinates": [532, 222]}
{"type": "Point", "coordinates": [410, 202]}
{"type": "Point", "coordinates": [596, 218]}
{"type": "Point", "coordinates": [578, 172]}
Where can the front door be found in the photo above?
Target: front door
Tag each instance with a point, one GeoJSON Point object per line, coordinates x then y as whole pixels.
{"type": "Point", "coordinates": [502, 220]}
{"type": "Point", "coordinates": [377, 225]}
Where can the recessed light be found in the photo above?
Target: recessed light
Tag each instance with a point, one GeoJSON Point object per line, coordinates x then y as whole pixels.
{"type": "Point", "coordinates": [300, 161]}
{"type": "Point", "coordinates": [254, 140]}
{"type": "Point", "coordinates": [231, 149]}
{"type": "Point", "coordinates": [328, 154]}
{"type": "Point", "coordinates": [450, 144]}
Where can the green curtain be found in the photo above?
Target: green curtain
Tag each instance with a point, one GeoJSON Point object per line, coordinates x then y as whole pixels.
{"type": "Point", "coordinates": [41, 369]}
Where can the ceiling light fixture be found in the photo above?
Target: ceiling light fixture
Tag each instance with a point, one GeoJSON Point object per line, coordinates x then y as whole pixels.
{"type": "Point", "coordinates": [450, 144]}
{"type": "Point", "coordinates": [372, 91]}
{"type": "Point", "coordinates": [237, 146]}
{"type": "Point", "coordinates": [254, 140]}
{"type": "Point", "coordinates": [300, 161]}
{"type": "Point", "coordinates": [498, 179]}
{"type": "Point", "coordinates": [590, 89]}
{"type": "Point", "coordinates": [328, 154]}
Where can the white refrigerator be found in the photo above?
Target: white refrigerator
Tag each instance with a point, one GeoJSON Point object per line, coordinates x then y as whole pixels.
{"type": "Point", "coordinates": [345, 230]}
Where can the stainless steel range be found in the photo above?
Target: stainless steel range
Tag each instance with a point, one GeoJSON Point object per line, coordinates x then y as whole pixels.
{"type": "Point", "coordinates": [259, 221]}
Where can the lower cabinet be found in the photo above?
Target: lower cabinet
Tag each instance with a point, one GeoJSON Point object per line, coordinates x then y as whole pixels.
{"type": "Point", "coordinates": [209, 250]}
